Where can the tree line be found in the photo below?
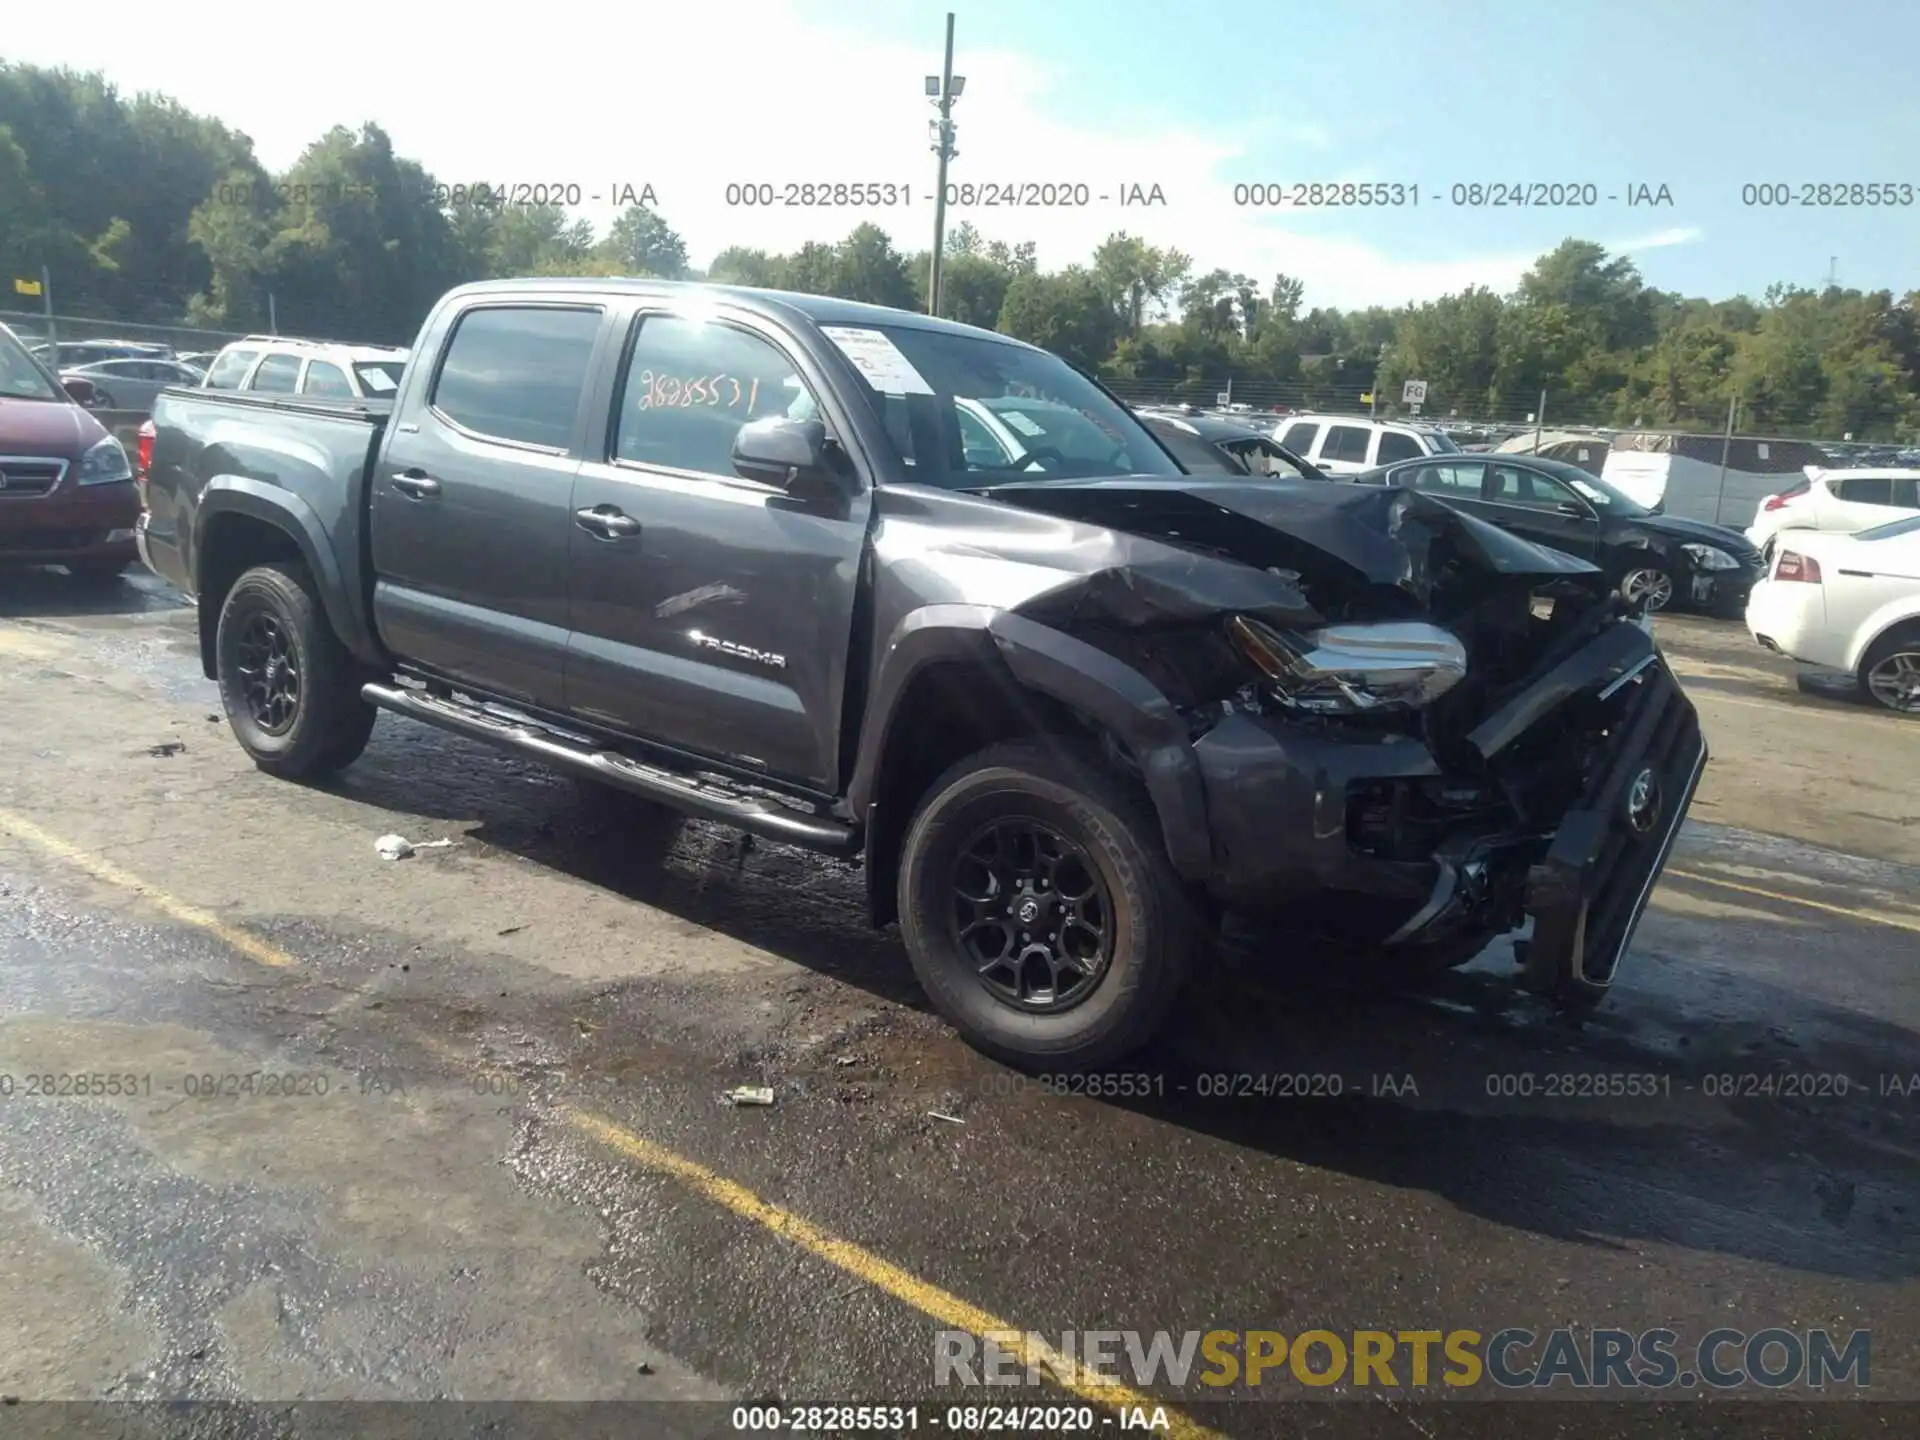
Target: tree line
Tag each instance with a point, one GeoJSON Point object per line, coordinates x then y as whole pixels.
{"type": "Point", "coordinates": [144, 212]}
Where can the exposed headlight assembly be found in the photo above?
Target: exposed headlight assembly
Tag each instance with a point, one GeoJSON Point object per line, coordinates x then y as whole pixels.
{"type": "Point", "coordinates": [1354, 669]}
{"type": "Point", "coordinates": [105, 463]}
{"type": "Point", "coordinates": [1710, 557]}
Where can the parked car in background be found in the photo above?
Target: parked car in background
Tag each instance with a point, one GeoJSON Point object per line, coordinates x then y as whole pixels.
{"type": "Point", "coordinates": [201, 360]}
{"type": "Point", "coordinates": [132, 384]}
{"type": "Point", "coordinates": [1348, 445]}
{"type": "Point", "coordinates": [273, 365]}
{"type": "Point", "coordinates": [1849, 603]}
{"type": "Point", "coordinates": [1655, 560]}
{"type": "Point", "coordinates": [89, 352]}
{"type": "Point", "coordinates": [1844, 500]}
{"type": "Point", "coordinates": [1202, 443]}
{"type": "Point", "coordinates": [66, 491]}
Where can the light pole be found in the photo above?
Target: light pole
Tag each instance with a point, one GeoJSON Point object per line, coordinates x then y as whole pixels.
{"type": "Point", "coordinates": [942, 89]}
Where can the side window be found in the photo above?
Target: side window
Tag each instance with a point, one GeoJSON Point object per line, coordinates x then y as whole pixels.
{"type": "Point", "coordinates": [1906, 493]}
{"type": "Point", "coordinates": [1347, 442]}
{"type": "Point", "coordinates": [1867, 490]}
{"type": "Point", "coordinates": [1511, 486]}
{"type": "Point", "coordinates": [1299, 438]}
{"type": "Point", "coordinates": [326, 380]}
{"type": "Point", "coordinates": [1456, 482]}
{"type": "Point", "coordinates": [277, 374]}
{"type": "Point", "coordinates": [517, 374]}
{"type": "Point", "coordinates": [1396, 446]}
{"type": "Point", "coordinates": [231, 369]}
{"type": "Point", "coordinates": [691, 385]}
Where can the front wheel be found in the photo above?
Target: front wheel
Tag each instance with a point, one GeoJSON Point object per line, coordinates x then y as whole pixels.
{"type": "Point", "coordinates": [290, 689]}
{"type": "Point", "coordinates": [1890, 673]}
{"type": "Point", "coordinates": [1648, 584]}
{"type": "Point", "coordinates": [1040, 911]}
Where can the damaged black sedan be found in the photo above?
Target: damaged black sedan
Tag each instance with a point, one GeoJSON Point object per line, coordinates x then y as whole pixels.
{"type": "Point", "coordinates": [929, 600]}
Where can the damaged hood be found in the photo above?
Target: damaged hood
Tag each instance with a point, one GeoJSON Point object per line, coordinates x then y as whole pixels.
{"type": "Point", "coordinates": [1336, 539]}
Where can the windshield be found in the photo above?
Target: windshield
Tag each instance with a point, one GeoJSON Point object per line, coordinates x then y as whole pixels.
{"type": "Point", "coordinates": [964, 413]}
{"type": "Point", "coordinates": [21, 377]}
{"type": "Point", "coordinates": [378, 377]}
{"type": "Point", "coordinates": [1600, 494]}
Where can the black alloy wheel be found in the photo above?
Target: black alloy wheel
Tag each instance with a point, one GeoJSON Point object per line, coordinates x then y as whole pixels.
{"type": "Point", "coordinates": [1032, 912]}
{"type": "Point", "coordinates": [269, 673]}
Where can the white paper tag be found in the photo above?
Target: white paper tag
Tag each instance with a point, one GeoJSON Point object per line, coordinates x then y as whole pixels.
{"type": "Point", "coordinates": [875, 356]}
{"type": "Point", "coordinates": [1016, 421]}
{"type": "Point", "coordinates": [377, 380]}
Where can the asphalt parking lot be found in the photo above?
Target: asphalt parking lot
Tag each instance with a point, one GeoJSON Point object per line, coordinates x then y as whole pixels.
{"type": "Point", "coordinates": [504, 1172]}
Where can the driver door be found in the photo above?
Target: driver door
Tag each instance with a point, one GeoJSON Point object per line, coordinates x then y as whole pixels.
{"type": "Point", "coordinates": [711, 613]}
{"type": "Point", "coordinates": [1537, 506]}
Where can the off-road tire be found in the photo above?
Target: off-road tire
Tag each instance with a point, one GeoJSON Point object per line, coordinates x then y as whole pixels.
{"type": "Point", "coordinates": [331, 723]}
{"type": "Point", "coordinates": [1157, 930]}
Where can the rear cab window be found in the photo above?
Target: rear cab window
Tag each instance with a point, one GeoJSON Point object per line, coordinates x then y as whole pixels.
{"type": "Point", "coordinates": [516, 373]}
{"type": "Point", "coordinates": [327, 380]}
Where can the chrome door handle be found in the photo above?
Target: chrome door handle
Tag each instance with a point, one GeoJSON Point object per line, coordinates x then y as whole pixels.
{"type": "Point", "coordinates": [606, 522]}
{"type": "Point", "coordinates": [419, 487]}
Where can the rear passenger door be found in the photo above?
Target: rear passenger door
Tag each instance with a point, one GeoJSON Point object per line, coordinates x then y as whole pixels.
{"type": "Point", "coordinates": [1396, 445]}
{"type": "Point", "coordinates": [718, 618]}
{"type": "Point", "coordinates": [472, 499]}
{"type": "Point", "coordinates": [276, 375]}
{"type": "Point", "coordinates": [1861, 502]}
{"type": "Point", "coordinates": [1343, 449]}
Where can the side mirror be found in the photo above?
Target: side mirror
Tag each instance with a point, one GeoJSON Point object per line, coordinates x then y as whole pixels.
{"type": "Point", "coordinates": [80, 389]}
{"type": "Point", "coordinates": [1567, 507]}
{"type": "Point", "coordinates": [792, 454]}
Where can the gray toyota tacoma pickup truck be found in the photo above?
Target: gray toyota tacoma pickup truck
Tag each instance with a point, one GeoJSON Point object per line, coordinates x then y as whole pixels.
{"type": "Point", "coordinates": [929, 599]}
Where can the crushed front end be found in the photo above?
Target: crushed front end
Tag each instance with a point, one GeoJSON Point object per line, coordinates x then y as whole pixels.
{"type": "Point", "coordinates": [1427, 734]}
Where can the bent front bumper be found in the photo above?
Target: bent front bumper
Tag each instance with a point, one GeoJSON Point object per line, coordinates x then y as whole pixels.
{"type": "Point", "coordinates": [1280, 798]}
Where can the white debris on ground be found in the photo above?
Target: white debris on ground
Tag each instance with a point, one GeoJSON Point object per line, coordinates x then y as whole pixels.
{"type": "Point", "coordinates": [398, 847]}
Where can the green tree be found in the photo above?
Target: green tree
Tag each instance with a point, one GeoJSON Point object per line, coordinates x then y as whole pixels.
{"type": "Point", "coordinates": [1068, 313]}
{"type": "Point", "coordinates": [644, 244]}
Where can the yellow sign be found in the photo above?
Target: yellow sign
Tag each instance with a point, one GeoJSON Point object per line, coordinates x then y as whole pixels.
{"type": "Point", "coordinates": [1367, 399]}
{"type": "Point", "coordinates": [26, 287]}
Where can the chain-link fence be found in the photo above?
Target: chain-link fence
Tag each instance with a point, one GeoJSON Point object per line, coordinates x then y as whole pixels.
{"type": "Point", "coordinates": [34, 329]}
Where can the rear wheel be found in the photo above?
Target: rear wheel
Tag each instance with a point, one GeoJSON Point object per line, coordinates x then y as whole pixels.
{"type": "Point", "coordinates": [1890, 674]}
{"type": "Point", "coordinates": [1040, 910]}
{"type": "Point", "coordinates": [290, 688]}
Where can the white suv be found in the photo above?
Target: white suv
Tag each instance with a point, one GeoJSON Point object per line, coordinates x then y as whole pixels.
{"type": "Point", "coordinates": [1347, 445]}
{"type": "Point", "coordinates": [1838, 500]}
{"type": "Point", "coordinates": [274, 365]}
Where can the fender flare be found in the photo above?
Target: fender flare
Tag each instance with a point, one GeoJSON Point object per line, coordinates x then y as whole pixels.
{"type": "Point", "coordinates": [1883, 622]}
{"type": "Point", "coordinates": [298, 521]}
{"type": "Point", "coordinates": [1047, 661]}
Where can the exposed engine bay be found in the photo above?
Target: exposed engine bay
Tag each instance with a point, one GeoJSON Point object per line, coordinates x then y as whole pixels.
{"type": "Point", "coordinates": [1397, 706]}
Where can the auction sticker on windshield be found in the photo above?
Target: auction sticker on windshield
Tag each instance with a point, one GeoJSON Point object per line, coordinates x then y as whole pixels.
{"type": "Point", "coordinates": [875, 356]}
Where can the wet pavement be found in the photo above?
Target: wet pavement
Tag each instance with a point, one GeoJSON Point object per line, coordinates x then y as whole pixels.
{"type": "Point", "coordinates": [496, 1166]}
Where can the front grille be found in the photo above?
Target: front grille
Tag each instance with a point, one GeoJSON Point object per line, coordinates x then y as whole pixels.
{"type": "Point", "coordinates": [24, 476]}
{"type": "Point", "coordinates": [1588, 893]}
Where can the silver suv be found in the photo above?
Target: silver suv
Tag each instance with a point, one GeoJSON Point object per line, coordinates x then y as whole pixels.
{"type": "Point", "coordinates": [1347, 445]}
{"type": "Point", "coordinates": [274, 365]}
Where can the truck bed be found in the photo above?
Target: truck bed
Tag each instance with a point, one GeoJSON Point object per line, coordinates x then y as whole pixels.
{"type": "Point", "coordinates": [313, 457]}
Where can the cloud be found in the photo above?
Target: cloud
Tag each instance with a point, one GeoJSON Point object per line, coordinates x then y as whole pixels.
{"type": "Point", "coordinates": [673, 100]}
{"type": "Point", "coordinates": [1660, 239]}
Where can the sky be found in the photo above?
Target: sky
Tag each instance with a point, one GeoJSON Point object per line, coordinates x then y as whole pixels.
{"type": "Point", "coordinates": [1686, 105]}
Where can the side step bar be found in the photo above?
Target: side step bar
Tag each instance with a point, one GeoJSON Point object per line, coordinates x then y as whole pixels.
{"type": "Point", "coordinates": [764, 818]}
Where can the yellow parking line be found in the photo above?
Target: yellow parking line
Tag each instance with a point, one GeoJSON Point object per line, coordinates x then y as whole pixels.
{"type": "Point", "coordinates": [1897, 922]}
{"type": "Point", "coordinates": [930, 1300]}
{"type": "Point", "coordinates": [250, 946]}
